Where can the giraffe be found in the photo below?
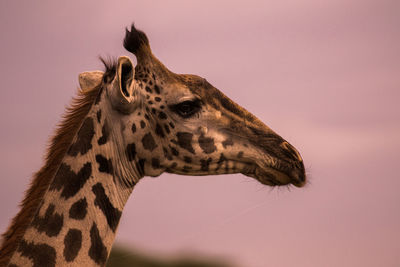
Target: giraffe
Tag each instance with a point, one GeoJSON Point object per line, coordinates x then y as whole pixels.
{"type": "Point", "coordinates": [126, 123]}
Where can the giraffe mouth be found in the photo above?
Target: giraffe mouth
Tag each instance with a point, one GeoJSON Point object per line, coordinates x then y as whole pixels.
{"type": "Point", "coordinates": [277, 176]}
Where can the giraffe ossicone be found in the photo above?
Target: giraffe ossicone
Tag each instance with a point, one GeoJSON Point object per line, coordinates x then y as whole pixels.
{"type": "Point", "coordinates": [126, 123]}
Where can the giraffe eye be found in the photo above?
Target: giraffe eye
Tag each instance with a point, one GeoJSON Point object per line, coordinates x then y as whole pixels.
{"type": "Point", "coordinates": [187, 109]}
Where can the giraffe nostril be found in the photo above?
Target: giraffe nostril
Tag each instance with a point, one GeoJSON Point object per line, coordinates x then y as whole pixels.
{"type": "Point", "coordinates": [292, 151]}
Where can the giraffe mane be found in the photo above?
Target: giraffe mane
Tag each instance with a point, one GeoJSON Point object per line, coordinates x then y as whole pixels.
{"type": "Point", "coordinates": [58, 146]}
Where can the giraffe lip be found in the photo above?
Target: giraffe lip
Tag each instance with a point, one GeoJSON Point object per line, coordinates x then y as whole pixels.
{"type": "Point", "coordinates": [273, 176]}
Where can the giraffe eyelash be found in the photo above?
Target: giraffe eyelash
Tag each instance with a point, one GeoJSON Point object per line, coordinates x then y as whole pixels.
{"type": "Point", "coordinates": [187, 108]}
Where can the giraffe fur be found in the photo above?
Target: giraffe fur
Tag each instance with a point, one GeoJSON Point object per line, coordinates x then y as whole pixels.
{"type": "Point", "coordinates": [126, 123]}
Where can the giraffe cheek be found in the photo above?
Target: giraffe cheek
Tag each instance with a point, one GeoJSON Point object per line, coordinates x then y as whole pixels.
{"type": "Point", "coordinates": [207, 144]}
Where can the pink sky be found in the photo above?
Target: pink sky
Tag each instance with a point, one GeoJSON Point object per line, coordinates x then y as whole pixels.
{"type": "Point", "coordinates": [323, 74]}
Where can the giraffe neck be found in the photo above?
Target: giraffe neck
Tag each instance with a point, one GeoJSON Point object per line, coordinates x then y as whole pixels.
{"type": "Point", "coordinates": [76, 221]}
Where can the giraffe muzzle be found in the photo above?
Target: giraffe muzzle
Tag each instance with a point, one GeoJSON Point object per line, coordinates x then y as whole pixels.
{"type": "Point", "coordinates": [279, 163]}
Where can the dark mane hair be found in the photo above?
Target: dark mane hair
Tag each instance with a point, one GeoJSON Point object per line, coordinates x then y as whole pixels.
{"type": "Point", "coordinates": [58, 146]}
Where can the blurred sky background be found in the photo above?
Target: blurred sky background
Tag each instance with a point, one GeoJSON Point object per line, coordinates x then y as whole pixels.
{"type": "Point", "coordinates": [323, 74]}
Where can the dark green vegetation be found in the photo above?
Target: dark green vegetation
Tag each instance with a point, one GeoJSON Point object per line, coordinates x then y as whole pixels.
{"type": "Point", "coordinates": [122, 257]}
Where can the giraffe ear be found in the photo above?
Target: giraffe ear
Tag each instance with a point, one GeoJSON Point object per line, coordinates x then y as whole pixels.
{"type": "Point", "coordinates": [123, 86]}
{"type": "Point", "coordinates": [88, 80]}
{"type": "Point", "coordinates": [125, 76]}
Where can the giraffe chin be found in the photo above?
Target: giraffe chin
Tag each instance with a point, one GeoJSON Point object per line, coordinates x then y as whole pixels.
{"type": "Point", "coordinates": [274, 177]}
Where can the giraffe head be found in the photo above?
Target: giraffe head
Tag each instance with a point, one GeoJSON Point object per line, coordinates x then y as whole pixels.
{"type": "Point", "coordinates": [180, 123]}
